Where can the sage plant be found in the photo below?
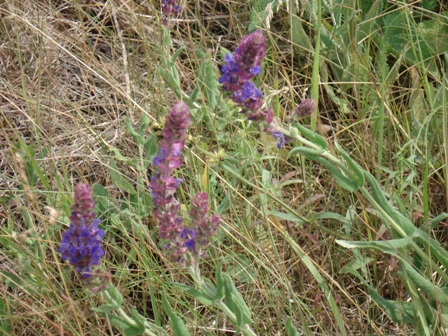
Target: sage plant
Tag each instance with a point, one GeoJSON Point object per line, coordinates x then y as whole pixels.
{"type": "Point", "coordinates": [178, 240]}
{"type": "Point", "coordinates": [81, 243]}
{"type": "Point", "coordinates": [238, 70]}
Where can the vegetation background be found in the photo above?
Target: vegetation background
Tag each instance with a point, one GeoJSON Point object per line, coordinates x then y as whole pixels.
{"type": "Point", "coordinates": [84, 89]}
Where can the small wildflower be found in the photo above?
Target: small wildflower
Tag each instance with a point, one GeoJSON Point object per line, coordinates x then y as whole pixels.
{"type": "Point", "coordinates": [202, 226]}
{"type": "Point", "coordinates": [237, 71]}
{"type": "Point", "coordinates": [280, 138]}
{"type": "Point", "coordinates": [244, 63]}
{"type": "Point", "coordinates": [81, 243]}
{"type": "Point", "coordinates": [169, 7]}
{"type": "Point", "coordinates": [240, 67]}
{"type": "Point", "coordinates": [305, 108]}
{"type": "Point", "coordinates": [163, 184]}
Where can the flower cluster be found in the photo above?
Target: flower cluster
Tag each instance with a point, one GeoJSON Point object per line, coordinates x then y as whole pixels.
{"type": "Point", "coordinates": [81, 243]}
{"type": "Point", "coordinates": [178, 239]}
{"type": "Point", "coordinates": [169, 8]}
{"type": "Point", "coordinates": [239, 68]}
{"type": "Point", "coordinates": [202, 226]}
{"type": "Point", "coordinates": [305, 108]}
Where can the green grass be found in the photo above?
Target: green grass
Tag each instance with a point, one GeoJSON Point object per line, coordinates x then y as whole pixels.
{"type": "Point", "coordinates": [84, 90]}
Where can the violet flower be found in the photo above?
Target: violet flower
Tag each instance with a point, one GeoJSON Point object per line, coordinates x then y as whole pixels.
{"type": "Point", "coordinates": [169, 8]}
{"type": "Point", "coordinates": [202, 226]}
{"type": "Point", "coordinates": [305, 108]}
{"type": "Point", "coordinates": [240, 67]}
{"type": "Point", "coordinates": [163, 184]}
{"type": "Point", "coordinates": [244, 63]}
{"type": "Point", "coordinates": [81, 243]}
{"type": "Point", "coordinates": [178, 239]}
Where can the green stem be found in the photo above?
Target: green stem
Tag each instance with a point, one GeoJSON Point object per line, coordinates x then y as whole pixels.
{"type": "Point", "coordinates": [125, 316]}
{"type": "Point", "coordinates": [202, 286]}
{"type": "Point", "coordinates": [315, 71]}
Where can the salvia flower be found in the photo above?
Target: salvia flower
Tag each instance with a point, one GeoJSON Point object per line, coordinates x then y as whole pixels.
{"type": "Point", "coordinates": [238, 69]}
{"type": "Point", "coordinates": [169, 7]}
{"type": "Point", "coordinates": [163, 184]}
{"type": "Point", "coordinates": [244, 63]}
{"type": "Point", "coordinates": [202, 226]}
{"type": "Point", "coordinates": [305, 108]}
{"type": "Point", "coordinates": [81, 243]}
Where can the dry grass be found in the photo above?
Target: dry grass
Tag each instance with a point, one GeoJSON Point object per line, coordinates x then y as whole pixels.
{"type": "Point", "coordinates": [72, 73]}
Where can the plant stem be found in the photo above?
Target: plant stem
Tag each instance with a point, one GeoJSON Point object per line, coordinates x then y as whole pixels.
{"type": "Point", "coordinates": [125, 316]}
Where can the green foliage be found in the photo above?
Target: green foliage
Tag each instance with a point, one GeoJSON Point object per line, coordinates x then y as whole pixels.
{"type": "Point", "coordinates": [176, 322]}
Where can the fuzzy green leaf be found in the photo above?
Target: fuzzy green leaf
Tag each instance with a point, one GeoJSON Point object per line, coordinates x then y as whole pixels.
{"type": "Point", "coordinates": [314, 137]}
{"type": "Point", "coordinates": [106, 308]}
{"type": "Point", "coordinates": [235, 301]}
{"type": "Point", "coordinates": [290, 329]}
{"type": "Point", "coordinates": [176, 323]}
{"type": "Point", "coordinates": [378, 194]}
{"type": "Point", "coordinates": [389, 246]}
{"type": "Point", "coordinates": [199, 295]}
{"type": "Point", "coordinates": [398, 311]}
{"type": "Point", "coordinates": [220, 293]}
{"type": "Point", "coordinates": [207, 82]}
{"type": "Point", "coordinates": [115, 294]}
{"type": "Point", "coordinates": [426, 286]}
{"type": "Point", "coordinates": [354, 166]}
{"type": "Point", "coordinates": [118, 180]}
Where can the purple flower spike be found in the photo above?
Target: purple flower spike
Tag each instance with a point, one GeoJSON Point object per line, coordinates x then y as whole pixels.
{"type": "Point", "coordinates": [203, 225]}
{"type": "Point", "coordinates": [163, 184]}
{"type": "Point", "coordinates": [169, 7]}
{"type": "Point", "coordinates": [81, 243]}
{"type": "Point", "coordinates": [244, 63]}
{"type": "Point", "coordinates": [305, 108]}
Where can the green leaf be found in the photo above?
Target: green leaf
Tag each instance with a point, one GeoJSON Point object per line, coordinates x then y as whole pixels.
{"type": "Point", "coordinates": [118, 322]}
{"type": "Point", "coordinates": [176, 322]}
{"type": "Point", "coordinates": [437, 251]}
{"type": "Point", "coordinates": [150, 147]}
{"type": "Point", "coordinates": [285, 216]}
{"type": "Point", "coordinates": [389, 246]}
{"type": "Point", "coordinates": [115, 295]}
{"type": "Point", "coordinates": [220, 292]}
{"type": "Point", "coordinates": [199, 295]}
{"type": "Point", "coordinates": [314, 137]}
{"type": "Point", "coordinates": [132, 331]}
{"type": "Point", "coordinates": [331, 215]}
{"type": "Point", "coordinates": [354, 166]}
{"type": "Point", "coordinates": [139, 320]}
{"type": "Point", "coordinates": [434, 222]}
{"type": "Point", "coordinates": [5, 324]}
{"type": "Point", "coordinates": [305, 151]}
{"type": "Point", "coordinates": [340, 178]}
{"type": "Point", "coordinates": [426, 286]}
{"type": "Point", "coordinates": [118, 180]}
{"type": "Point", "coordinates": [106, 308]}
{"type": "Point", "coordinates": [101, 196]}
{"type": "Point", "coordinates": [235, 301]}
{"type": "Point", "coordinates": [418, 42]}
{"type": "Point", "coordinates": [378, 194]}
{"type": "Point", "coordinates": [398, 311]}
{"type": "Point", "coordinates": [138, 138]}
{"type": "Point", "coordinates": [207, 82]}
{"type": "Point", "coordinates": [290, 329]}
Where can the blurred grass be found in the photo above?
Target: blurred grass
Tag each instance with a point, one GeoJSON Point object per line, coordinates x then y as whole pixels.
{"type": "Point", "coordinates": [73, 74]}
